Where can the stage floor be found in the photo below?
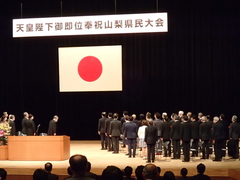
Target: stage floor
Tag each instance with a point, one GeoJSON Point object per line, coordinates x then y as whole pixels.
{"type": "Point", "coordinates": [100, 159]}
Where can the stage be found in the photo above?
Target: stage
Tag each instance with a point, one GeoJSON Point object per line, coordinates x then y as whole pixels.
{"type": "Point", "coordinates": [102, 158]}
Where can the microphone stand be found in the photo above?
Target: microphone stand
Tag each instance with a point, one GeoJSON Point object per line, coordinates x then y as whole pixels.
{"type": "Point", "coordinates": [37, 129]}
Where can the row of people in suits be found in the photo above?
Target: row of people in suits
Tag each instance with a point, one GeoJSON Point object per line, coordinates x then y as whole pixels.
{"type": "Point", "coordinates": [29, 128]}
{"type": "Point", "coordinates": [202, 130]}
{"type": "Point", "coordinates": [110, 131]}
{"type": "Point", "coordinates": [28, 124]}
{"type": "Point", "coordinates": [174, 131]}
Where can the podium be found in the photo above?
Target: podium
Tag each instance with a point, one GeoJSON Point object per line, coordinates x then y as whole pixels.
{"type": "Point", "coordinates": [38, 148]}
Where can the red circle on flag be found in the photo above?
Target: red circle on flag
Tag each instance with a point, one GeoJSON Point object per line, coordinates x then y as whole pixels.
{"type": "Point", "coordinates": [90, 68]}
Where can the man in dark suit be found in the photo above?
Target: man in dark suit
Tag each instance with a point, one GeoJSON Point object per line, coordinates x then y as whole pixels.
{"type": "Point", "coordinates": [158, 124]}
{"type": "Point", "coordinates": [150, 139]}
{"type": "Point", "coordinates": [48, 169]}
{"type": "Point", "coordinates": [25, 118]}
{"type": "Point", "coordinates": [205, 135]}
{"type": "Point", "coordinates": [225, 124]}
{"type": "Point", "coordinates": [234, 135]}
{"type": "Point", "coordinates": [12, 125]}
{"type": "Point", "coordinates": [194, 134]}
{"type": "Point", "coordinates": [107, 131]}
{"type": "Point", "coordinates": [201, 176]}
{"type": "Point", "coordinates": [125, 143]}
{"type": "Point", "coordinates": [52, 128]}
{"type": "Point", "coordinates": [175, 136]}
{"type": "Point", "coordinates": [101, 130]}
{"type": "Point", "coordinates": [30, 126]}
{"type": "Point", "coordinates": [185, 135]}
{"type": "Point", "coordinates": [115, 132]}
{"type": "Point", "coordinates": [165, 135]}
{"type": "Point", "coordinates": [218, 138]}
{"type": "Point", "coordinates": [130, 134]}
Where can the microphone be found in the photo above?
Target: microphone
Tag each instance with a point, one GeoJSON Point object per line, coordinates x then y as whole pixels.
{"type": "Point", "coordinates": [39, 125]}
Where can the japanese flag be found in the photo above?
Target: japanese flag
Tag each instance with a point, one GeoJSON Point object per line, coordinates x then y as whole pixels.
{"type": "Point", "coordinates": [93, 68]}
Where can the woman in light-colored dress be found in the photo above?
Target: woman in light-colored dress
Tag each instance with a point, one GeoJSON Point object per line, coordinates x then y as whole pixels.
{"type": "Point", "coordinates": [141, 136]}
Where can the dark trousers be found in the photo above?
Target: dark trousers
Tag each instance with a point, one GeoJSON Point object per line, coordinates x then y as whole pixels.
{"type": "Point", "coordinates": [109, 141]}
{"type": "Point", "coordinates": [224, 147]}
{"type": "Point", "coordinates": [186, 150]}
{"type": "Point", "coordinates": [150, 152]}
{"type": "Point", "coordinates": [103, 141]}
{"type": "Point", "coordinates": [167, 148]}
{"type": "Point", "coordinates": [131, 146]}
{"type": "Point", "coordinates": [195, 146]}
{"type": "Point", "coordinates": [236, 149]}
{"type": "Point", "coordinates": [218, 149]}
{"type": "Point", "coordinates": [176, 148]}
{"type": "Point", "coordinates": [115, 142]}
{"type": "Point", "coordinates": [205, 149]}
{"type": "Point", "coordinates": [210, 145]}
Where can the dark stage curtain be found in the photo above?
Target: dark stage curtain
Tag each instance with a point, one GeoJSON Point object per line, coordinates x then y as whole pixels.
{"type": "Point", "coordinates": [192, 67]}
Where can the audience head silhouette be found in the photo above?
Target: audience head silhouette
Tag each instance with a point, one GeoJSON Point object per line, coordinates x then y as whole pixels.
{"type": "Point", "coordinates": [138, 172]}
{"type": "Point", "coordinates": [3, 174]}
{"type": "Point", "coordinates": [128, 171]}
{"type": "Point", "coordinates": [150, 172]}
{"type": "Point", "coordinates": [168, 175]}
{"type": "Point", "coordinates": [48, 166]}
{"type": "Point", "coordinates": [112, 173]}
{"type": "Point", "coordinates": [201, 168]}
{"type": "Point", "coordinates": [184, 172]}
{"type": "Point", "coordinates": [40, 174]}
{"type": "Point", "coordinates": [78, 164]}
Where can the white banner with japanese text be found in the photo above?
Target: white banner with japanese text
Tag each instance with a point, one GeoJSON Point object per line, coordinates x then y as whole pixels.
{"type": "Point", "coordinates": [87, 25]}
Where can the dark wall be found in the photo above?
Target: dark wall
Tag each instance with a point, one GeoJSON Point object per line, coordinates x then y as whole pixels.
{"type": "Point", "coordinates": [193, 67]}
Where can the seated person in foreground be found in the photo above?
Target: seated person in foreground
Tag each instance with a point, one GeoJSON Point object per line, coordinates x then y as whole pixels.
{"type": "Point", "coordinates": [48, 169]}
{"type": "Point", "coordinates": [128, 173]}
{"type": "Point", "coordinates": [78, 164]}
{"type": "Point", "coordinates": [183, 173]}
{"type": "Point", "coordinates": [3, 174]}
{"type": "Point", "coordinates": [150, 172]}
{"type": "Point", "coordinates": [40, 174]}
{"type": "Point", "coordinates": [112, 173]}
{"type": "Point", "coordinates": [168, 175]}
{"type": "Point", "coordinates": [90, 174]}
{"type": "Point", "coordinates": [200, 176]}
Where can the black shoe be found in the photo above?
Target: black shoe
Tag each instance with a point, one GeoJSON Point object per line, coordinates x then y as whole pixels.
{"type": "Point", "coordinates": [202, 158]}
{"type": "Point", "coordinates": [217, 160]}
{"type": "Point", "coordinates": [127, 154]}
{"type": "Point", "coordinates": [185, 161]}
{"type": "Point", "coordinates": [173, 158]}
{"type": "Point", "coordinates": [115, 152]}
{"type": "Point", "coordinates": [133, 156]}
{"type": "Point", "coordinates": [153, 161]}
{"type": "Point", "coordinates": [148, 161]}
{"type": "Point", "coordinates": [123, 146]}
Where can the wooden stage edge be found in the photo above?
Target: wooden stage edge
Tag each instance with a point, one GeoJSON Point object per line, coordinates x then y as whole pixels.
{"type": "Point", "coordinates": [100, 159]}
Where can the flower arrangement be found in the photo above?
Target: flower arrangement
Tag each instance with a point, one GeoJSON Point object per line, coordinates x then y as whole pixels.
{"type": "Point", "coordinates": [4, 131]}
